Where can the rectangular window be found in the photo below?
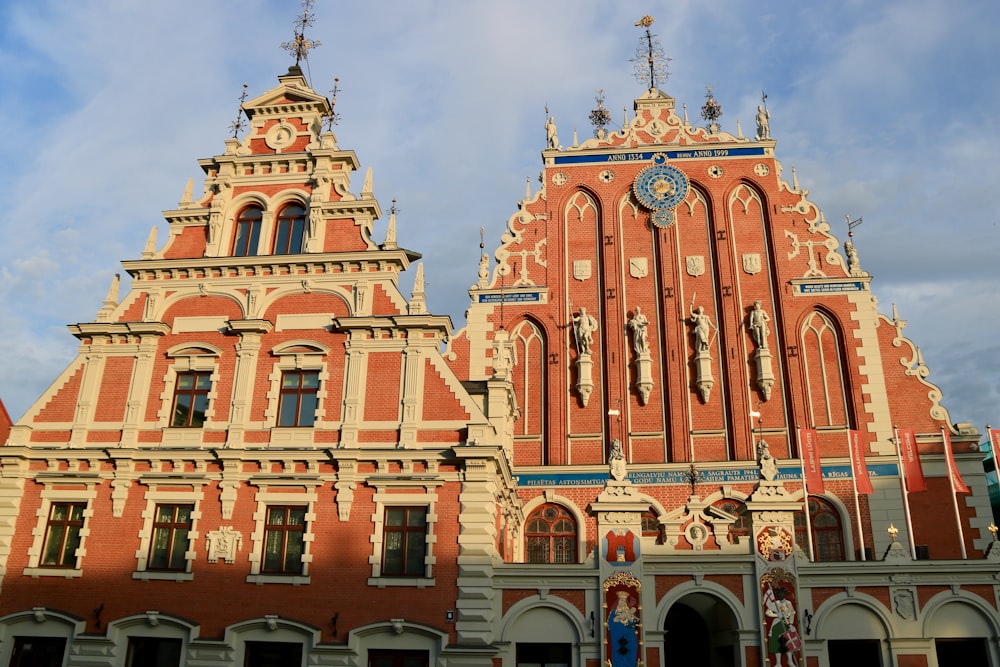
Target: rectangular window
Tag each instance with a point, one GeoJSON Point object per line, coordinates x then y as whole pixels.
{"type": "Point", "coordinates": [273, 654]}
{"type": "Point", "coordinates": [404, 542]}
{"type": "Point", "coordinates": [62, 534]}
{"type": "Point", "coordinates": [38, 652]}
{"type": "Point", "coordinates": [299, 398]}
{"type": "Point", "coordinates": [544, 655]}
{"type": "Point", "coordinates": [191, 398]}
{"type": "Point", "coordinates": [171, 525]}
{"type": "Point", "coordinates": [153, 652]}
{"type": "Point", "coordinates": [283, 543]}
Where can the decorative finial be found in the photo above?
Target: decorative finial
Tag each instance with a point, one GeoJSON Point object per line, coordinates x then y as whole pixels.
{"type": "Point", "coordinates": [392, 209]}
{"type": "Point", "coordinates": [300, 46]}
{"type": "Point", "coordinates": [763, 118]}
{"type": "Point", "coordinates": [390, 233]}
{"type": "Point", "coordinates": [417, 305]}
{"type": "Point", "coordinates": [711, 111]}
{"type": "Point", "coordinates": [600, 116]}
{"type": "Point", "coordinates": [237, 125]}
{"type": "Point", "coordinates": [649, 62]}
{"type": "Point", "coordinates": [851, 224]}
{"type": "Point", "coordinates": [333, 118]}
{"type": "Point", "coordinates": [693, 477]}
{"type": "Point", "coordinates": [893, 532]}
{"type": "Point", "coordinates": [993, 531]}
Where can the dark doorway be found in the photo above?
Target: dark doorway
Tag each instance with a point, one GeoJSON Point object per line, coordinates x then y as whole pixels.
{"type": "Point", "coordinates": [38, 652]}
{"type": "Point", "coordinates": [699, 631]}
{"type": "Point", "coordinates": [385, 658]}
{"type": "Point", "coordinates": [153, 652]}
{"type": "Point", "coordinates": [543, 655]}
{"type": "Point", "coordinates": [855, 652]}
{"type": "Point", "coordinates": [273, 654]}
{"type": "Point", "coordinates": [964, 652]}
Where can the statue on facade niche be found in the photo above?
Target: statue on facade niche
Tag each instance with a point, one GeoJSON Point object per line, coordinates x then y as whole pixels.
{"type": "Point", "coordinates": [584, 326]}
{"type": "Point", "coordinates": [758, 320]}
{"type": "Point", "coordinates": [763, 125]}
{"type": "Point", "coordinates": [617, 461]}
{"type": "Point", "coordinates": [768, 466]}
{"type": "Point", "coordinates": [640, 338]}
{"type": "Point", "coordinates": [702, 328]}
{"type": "Point", "coordinates": [550, 133]}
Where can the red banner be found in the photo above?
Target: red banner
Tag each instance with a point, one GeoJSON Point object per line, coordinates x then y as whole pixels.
{"type": "Point", "coordinates": [911, 461]}
{"type": "Point", "coordinates": [810, 461]}
{"type": "Point", "coordinates": [995, 440]}
{"type": "Point", "coordinates": [957, 483]}
{"type": "Point", "coordinates": [861, 479]}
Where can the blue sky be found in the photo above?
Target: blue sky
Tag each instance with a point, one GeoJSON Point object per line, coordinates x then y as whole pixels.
{"type": "Point", "coordinates": [887, 110]}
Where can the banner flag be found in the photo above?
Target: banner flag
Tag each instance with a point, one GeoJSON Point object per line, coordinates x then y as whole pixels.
{"type": "Point", "coordinates": [911, 461]}
{"type": "Point", "coordinates": [995, 440]}
{"type": "Point", "coordinates": [861, 479]}
{"type": "Point", "coordinates": [957, 483]}
{"type": "Point", "coordinates": [810, 461]}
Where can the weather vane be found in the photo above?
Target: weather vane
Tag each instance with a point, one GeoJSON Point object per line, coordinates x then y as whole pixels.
{"type": "Point", "coordinates": [300, 46]}
{"type": "Point", "coordinates": [600, 116]}
{"type": "Point", "coordinates": [237, 125]}
{"type": "Point", "coordinates": [711, 111]}
{"type": "Point", "coordinates": [333, 118]}
{"type": "Point", "coordinates": [649, 62]}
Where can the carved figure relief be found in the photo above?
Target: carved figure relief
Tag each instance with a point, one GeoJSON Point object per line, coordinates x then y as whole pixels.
{"type": "Point", "coordinates": [757, 321]}
{"type": "Point", "coordinates": [223, 543]}
{"type": "Point", "coordinates": [584, 326]}
{"type": "Point", "coordinates": [639, 325]}
{"type": "Point", "coordinates": [702, 329]}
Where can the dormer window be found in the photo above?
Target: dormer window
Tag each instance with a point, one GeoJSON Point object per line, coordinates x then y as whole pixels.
{"type": "Point", "coordinates": [248, 224]}
{"type": "Point", "coordinates": [291, 228]}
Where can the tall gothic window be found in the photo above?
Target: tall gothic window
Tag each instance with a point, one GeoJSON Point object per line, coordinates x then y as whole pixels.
{"type": "Point", "coordinates": [291, 228]}
{"type": "Point", "coordinates": [248, 224]}
{"type": "Point", "coordinates": [824, 371]}
{"type": "Point", "coordinates": [827, 532]}
{"type": "Point", "coordinates": [550, 535]}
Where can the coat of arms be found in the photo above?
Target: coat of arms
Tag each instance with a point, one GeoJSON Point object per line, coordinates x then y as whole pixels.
{"type": "Point", "coordinates": [695, 265]}
{"type": "Point", "coordinates": [581, 269]}
{"type": "Point", "coordinates": [751, 262]}
{"type": "Point", "coordinates": [638, 267]}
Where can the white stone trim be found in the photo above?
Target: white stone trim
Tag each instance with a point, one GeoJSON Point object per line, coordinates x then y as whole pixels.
{"type": "Point", "coordinates": [550, 497]}
{"type": "Point", "coordinates": [383, 501]}
{"type": "Point", "coordinates": [265, 498]}
{"type": "Point", "coordinates": [183, 363]}
{"type": "Point", "coordinates": [156, 497]}
{"type": "Point", "coordinates": [49, 496]}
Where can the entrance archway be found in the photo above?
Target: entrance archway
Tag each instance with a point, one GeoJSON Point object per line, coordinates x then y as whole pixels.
{"type": "Point", "coordinates": [700, 629]}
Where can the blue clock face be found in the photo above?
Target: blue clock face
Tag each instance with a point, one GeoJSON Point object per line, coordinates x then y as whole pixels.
{"type": "Point", "coordinates": [660, 186]}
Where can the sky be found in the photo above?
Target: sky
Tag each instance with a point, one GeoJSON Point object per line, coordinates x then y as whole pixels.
{"type": "Point", "coordinates": [886, 110]}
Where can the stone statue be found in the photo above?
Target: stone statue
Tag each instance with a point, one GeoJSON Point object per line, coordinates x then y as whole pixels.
{"type": "Point", "coordinates": [763, 127]}
{"type": "Point", "coordinates": [853, 263]}
{"type": "Point", "coordinates": [584, 326]}
{"type": "Point", "coordinates": [702, 328]}
{"type": "Point", "coordinates": [617, 461]}
{"type": "Point", "coordinates": [758, 320]}
{"type": "Point", "coordinates": [768, 466]}
{"type": "Point", "coordinates": [550, 133]}
{"type": "Point", "coordinates": [484, 268]}
{"type": "Point", "coordinates": [639, 325]}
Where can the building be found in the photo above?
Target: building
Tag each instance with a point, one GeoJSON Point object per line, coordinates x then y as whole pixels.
{"type": "Point", "coordinates": [266, 453]}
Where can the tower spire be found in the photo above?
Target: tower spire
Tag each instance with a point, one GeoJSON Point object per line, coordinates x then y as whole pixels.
{"type": "Point", "coordinates": [300, 46]}
{"type": "Point", "coordinates": [649, 62]}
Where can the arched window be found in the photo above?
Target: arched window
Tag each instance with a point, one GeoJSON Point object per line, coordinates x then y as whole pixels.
{"type": "Point", "coordinates": [291, 227]}
{"type": "Point", "coordinates": [827, 534]}
{"type": "Point", "coordinates": [550, 535]}
{"type": "Point", "coordinates": [824, 372]}
{"type": "Point", "coordinates": [248, 224]}
{"type": "Point", "coordinates": [651, 526]}
{"type": "Point", "coordinates": [740, 527]}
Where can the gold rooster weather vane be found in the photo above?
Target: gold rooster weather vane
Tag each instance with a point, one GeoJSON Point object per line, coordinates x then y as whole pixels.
{"type": "Point", "coordinates": [300, 46]}
{"type": "Point", "coordinates": [649, 62]}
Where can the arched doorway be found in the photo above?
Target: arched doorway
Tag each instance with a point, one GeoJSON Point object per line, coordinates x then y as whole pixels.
{"type": "Point", "coordinates": [700, 630]}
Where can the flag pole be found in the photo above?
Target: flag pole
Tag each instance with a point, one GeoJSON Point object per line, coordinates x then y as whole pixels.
{"type": "Point", "coordinates": [946, 440]}
{"type": "Point", "coordinates": [906, 495]}
{"type": "Point", "coordinates": [857, 501]}
{"type": "Point", "coordinates": [805, 494]}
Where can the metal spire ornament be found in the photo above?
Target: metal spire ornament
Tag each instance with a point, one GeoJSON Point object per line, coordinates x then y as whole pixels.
{"type": "Point", "coordinates": [300, 46]}
{"type": "Point", "coordinates": [711, 111]}
{"type": "Point", "coordinates": [649, 62]}
{"type": "Point", "coordinates": [237, 125]}
{"type": "Point", "coordinates": [333, 118]}
{"type": "Point", "coordinates": [600, 116]}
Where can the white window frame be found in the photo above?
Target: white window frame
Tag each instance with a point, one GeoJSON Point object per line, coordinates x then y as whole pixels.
{"type": "Point", "coordinates": [156, 497]}
{"type": "Point", "coordinates": [270, 497]}
{"type": "Point", "coordinates": [384, 501]}
{"type": "Point", "coordinates": [296, 355]}
{"type": "Point", "coordinates": [184, 363]}
{"type": "Point", "coordinates": [50, 496]}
